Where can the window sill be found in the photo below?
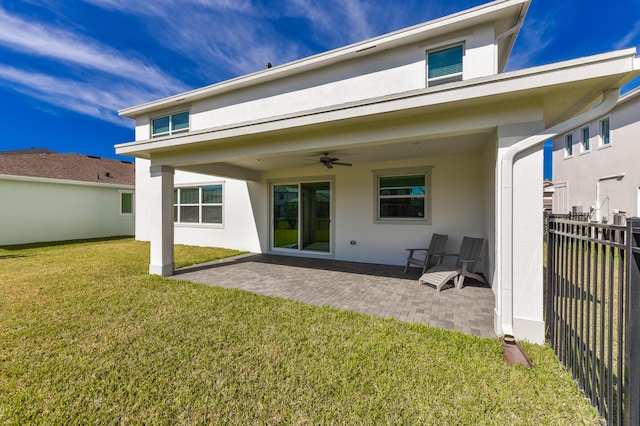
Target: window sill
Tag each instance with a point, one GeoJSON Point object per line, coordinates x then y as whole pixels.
{"type": "Point", "coordinates": [199, 225]}
{"type": "Point", "coordinates": [402, 221]}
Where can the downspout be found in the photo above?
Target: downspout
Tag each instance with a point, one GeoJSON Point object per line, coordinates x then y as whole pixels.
{"type": "Point", "coordinates": [505, 242]}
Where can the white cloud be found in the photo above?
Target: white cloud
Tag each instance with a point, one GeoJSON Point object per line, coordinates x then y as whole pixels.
{"type": "Point", "coordinates": [169, 7]}
{"type": "Point", "coordinates": [631, 39]}
{"type": "Point", "coordinates": [341, 22]}
{"type": "Point", "coordinates": [60, 45]}
{"type": "Point", "coordinates": [99, 99]}
{"type": "Point", "coordinates": [532, 39]}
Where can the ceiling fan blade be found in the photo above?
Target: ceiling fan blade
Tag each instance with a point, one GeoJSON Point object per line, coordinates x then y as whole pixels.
{"type": "Point", "coordinates": [342, 164]}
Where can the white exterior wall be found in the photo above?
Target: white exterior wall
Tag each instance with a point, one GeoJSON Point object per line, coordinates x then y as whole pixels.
{"type": "Point", "coordinates": [364, 77]}
{"type": "Point", "coordinates": [36, 211]}
{"type": "Point", "coordinates": [584, 174]}
{"type": "Point", "coordinates": [521, 299]}
{"type": "Point", "coordinates": [458, 188]}
{"type": "Point", "coordinates": [490, 180]}
{"type": "Point", "coordinates": [238, 230]}
{"type": "Point", "coordinates": [528, 246]}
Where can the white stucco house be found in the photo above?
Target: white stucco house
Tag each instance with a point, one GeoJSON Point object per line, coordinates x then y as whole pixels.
{"type": "Point", "coordinates": [439, 138]}
{"type": "Point", "coordinates": [595, 165]}
{"type": "Point", "coordinates": [49, 196]}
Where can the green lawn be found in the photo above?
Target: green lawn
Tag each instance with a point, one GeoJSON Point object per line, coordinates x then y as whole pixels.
{"type": "Point", "coordinates": [87, 337]}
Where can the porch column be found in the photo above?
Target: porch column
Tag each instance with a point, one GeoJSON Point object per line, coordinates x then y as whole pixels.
{"type": "Point", "coordinates": [161, 224]}
{"type": "Point", "coordinates": [519, 261]}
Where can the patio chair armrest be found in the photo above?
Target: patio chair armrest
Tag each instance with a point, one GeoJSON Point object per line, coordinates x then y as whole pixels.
{"type": "Point", "coordinates": [417, 249]}
{"type": "Point", "coordinates": [439, 257]}
{"type": "Point", "coordinates": [445, 254]}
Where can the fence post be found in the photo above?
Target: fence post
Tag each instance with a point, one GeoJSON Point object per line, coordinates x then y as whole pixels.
{"type": "Point", "coordinates": [632, 326]}
{"type": "Point", "coordinates": [550, 287]}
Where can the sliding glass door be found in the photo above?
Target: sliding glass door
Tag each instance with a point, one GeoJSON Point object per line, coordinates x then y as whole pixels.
{"type": "Point", "coordinates": [302, 216]}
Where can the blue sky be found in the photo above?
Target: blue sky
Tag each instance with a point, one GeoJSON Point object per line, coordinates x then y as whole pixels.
{"type": "Point", "coordinates": [66, 67]}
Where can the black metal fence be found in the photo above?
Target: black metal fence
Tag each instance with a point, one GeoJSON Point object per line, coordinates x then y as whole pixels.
{"type": "Point", "coordinates": [592, 311]}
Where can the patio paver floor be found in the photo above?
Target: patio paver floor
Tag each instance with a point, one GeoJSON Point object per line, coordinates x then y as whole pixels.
{"type": "Point", "coordinates": [380, 290]}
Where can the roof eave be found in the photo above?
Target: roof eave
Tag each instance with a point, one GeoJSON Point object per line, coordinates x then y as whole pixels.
{"type": "Point", "coordinates": [401, 37]}
{"type": "Point", "coordinates": [622, 63]}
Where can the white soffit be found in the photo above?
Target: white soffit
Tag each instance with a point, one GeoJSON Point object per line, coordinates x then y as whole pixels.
{"type": "Point", "coordinates": [596, 74]}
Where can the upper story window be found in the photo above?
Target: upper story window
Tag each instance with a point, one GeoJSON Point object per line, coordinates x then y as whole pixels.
{"type": "Point", "coordinates": [568, 145]}
{"type": "Point", "coordinates": [404, 196]}
{"type": "Point", "coordinates": [605, 132]}
{"type": "Point", "coordinates": [170, 124]}
{"type": "Point", "coordinates": [444, 65]}
{"type": "Point", "coordinates": [199, 204]}
{"type": "Point", "coordinates": [584, 132]}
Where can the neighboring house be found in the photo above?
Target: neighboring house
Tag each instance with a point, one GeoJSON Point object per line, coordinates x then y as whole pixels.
{"type": "Point", "coordinates": [440, 140]}
{"type": "Point", "coordinates": [47, 196]}
{"type": "Point", "coordinates": [595, 165]}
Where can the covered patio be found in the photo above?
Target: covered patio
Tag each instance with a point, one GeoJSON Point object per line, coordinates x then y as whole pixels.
{"type": "Point", "coordinates": [380, 290]}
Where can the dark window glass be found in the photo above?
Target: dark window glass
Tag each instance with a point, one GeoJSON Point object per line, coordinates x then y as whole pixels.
{"type": "Point", "coordinates": [127, 203]}
{"type": "Point", "coordinates": [189, 214]}
{"type": "Point", "coordinates": [445, 62]}
{"type": "Point", "coordinates": [211, 214]}
{"type": "Point", "coordinates": [212, 194]}
{"type": "Point", "coordinates": [161, 125]}
{"type": "Point", "coordinates": [180, 121]}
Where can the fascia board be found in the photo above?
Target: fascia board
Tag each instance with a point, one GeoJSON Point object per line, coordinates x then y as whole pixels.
{"type": "Point", "coordinates": [63, 181]}
{"type": "Point", "coordinates": [467, 18]}
{"type": "Point", "coordinates": [608, 64]}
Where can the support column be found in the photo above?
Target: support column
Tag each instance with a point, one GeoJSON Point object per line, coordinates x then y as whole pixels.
{"type": "Point", "coordinates": [161, 226]}
{"type": "Point", "coordinates": [519, 303]}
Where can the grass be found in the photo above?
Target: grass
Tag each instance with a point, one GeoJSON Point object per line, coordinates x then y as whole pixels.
{"type": "Point", "coordinates": [88, 337]}
{"type": "Point", "coordinates": [588, 281]}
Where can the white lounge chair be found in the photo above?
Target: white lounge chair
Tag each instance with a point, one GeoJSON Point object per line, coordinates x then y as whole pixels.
{"type": "Point", "coordinates": [469, 255]}
{"type": "Point", "coordinates": [433, 255]}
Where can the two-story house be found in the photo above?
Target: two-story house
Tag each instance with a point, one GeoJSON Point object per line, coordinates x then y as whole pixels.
{"type": "Point", "coordinates": [359, 152]}
{"type": "Point", "coordinates": [595, 165]}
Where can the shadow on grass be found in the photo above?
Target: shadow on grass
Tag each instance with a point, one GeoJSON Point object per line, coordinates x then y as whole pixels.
{"type": "Point", "coordinates": [11, 256]}
{"type": "Point", "coordinates": [60, 243]}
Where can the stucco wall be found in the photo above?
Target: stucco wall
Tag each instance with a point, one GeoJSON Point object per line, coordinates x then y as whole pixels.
{"type": "Point", "coordinates": [41, 211]}
{"type": "Point", "coordinates": [458, 189]}
{"type": "Point", "coordinates": [238, 231]}
{"type": "Point", "coordinates": [588, 173]}
{"type": "Point", "coordinates": [489, 207]}
{"type": "Point", "coordinates": [368, 75]}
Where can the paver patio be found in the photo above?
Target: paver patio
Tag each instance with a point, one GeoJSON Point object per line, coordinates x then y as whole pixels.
{"type": "Point", "coordinates": [380, 290]}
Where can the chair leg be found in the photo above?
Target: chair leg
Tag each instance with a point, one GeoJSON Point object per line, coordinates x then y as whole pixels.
{"type": "Point", "coordinates": [460, 281]}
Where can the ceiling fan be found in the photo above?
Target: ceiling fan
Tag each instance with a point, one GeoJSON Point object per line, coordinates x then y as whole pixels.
{"type": "Point", "coordinates": [329, 162]}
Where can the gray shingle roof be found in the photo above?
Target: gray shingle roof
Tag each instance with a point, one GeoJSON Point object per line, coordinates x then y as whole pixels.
{"type": "Point", "coordinates": [52, 165]}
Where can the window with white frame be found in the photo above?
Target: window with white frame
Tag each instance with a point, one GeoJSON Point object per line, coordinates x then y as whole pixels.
{"type": "Point", "coordinates": [198, 204]}
{"type": "Point", "coordinates": [170, 124]}
{"type": "Point", "coordinates": [568, 145]}
{"type": "Point", "coordinates": [605, 132]}
{"type": "Point", "coordinates": [584, 133]}
{"type": "Point", "coordinates": [403, 196]}
{"type": "Point", "coordinates": [444, 65]}
{"type": "Point", "coordinates": [126, 203]}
